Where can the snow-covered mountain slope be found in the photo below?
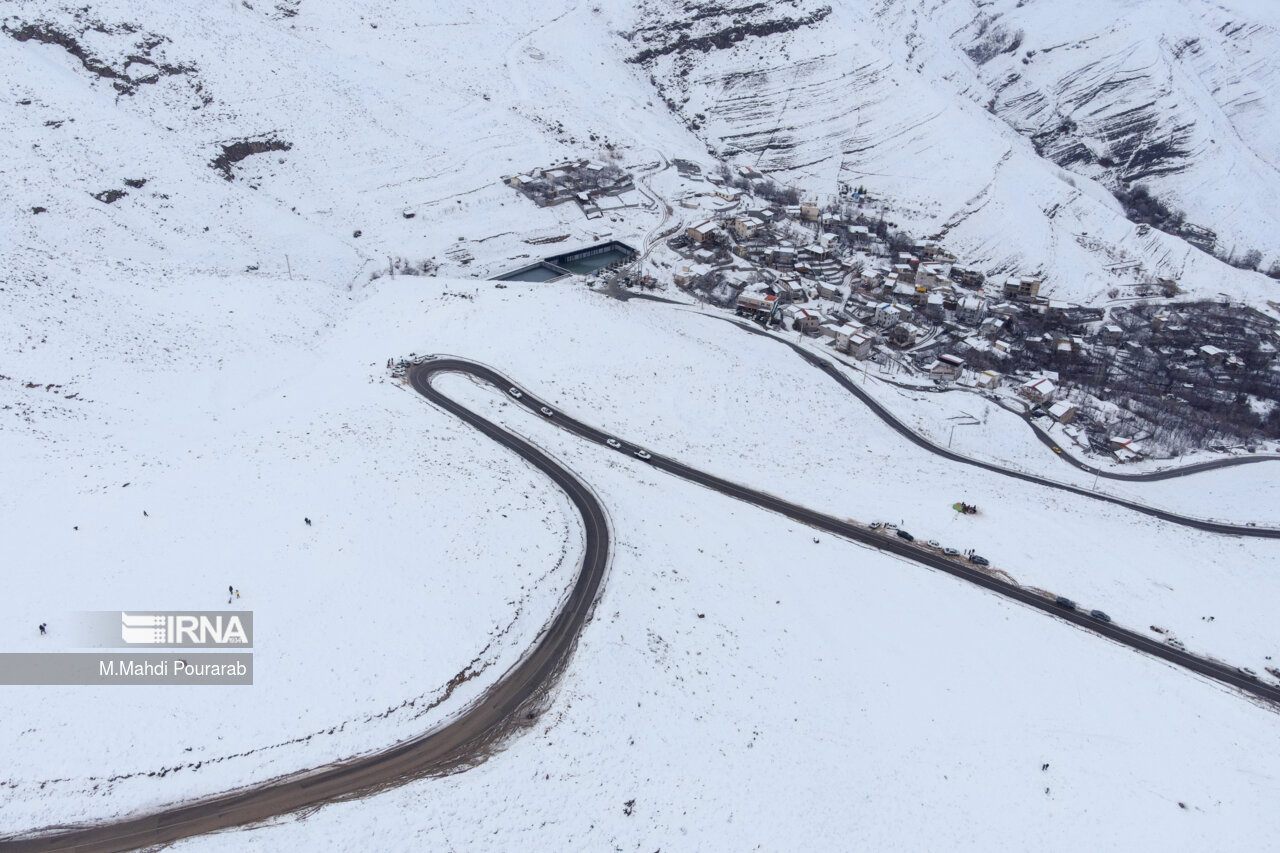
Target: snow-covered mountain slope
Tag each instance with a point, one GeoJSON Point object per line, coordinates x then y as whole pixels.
{"type": "Point", "coordinates": [195, 200]}
{"type": "Point", "coordinates": [1178, 96]}
{"type": "Point", "coordinates": [827, 661]}
{"type": "Point", "coordinates": [141, 125]}
{"type": "Point", "coordinates": [915, 101]}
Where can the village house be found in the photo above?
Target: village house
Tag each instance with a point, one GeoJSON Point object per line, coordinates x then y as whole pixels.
{"type": "Point", "coordinates": [809, 211]}
{"type": "Point", "coordinates": [859, 235]}
{"type": "Point", "coordinates": [946, 366]}
{"type": "Point", "coordinates": [987, 379]}
{"type": "Point", "coordinates": [814, 252]}
{"type": "Point", "coordinates": [789, 290]}
{"type": "Point", "coordinates": [1063, 412]}
{"type": "Point", "coordinates": [888, 315]}
{"type": "Point", "coordinates": [826, 289]}
{"type": "Point", "coordinates": [932, 276]}
{"type": "Point", "coordinates": [703, 231]}
{"type": "Point", "coordinates": [991, 327]}
{"type": "Point", "coordinates": [1020, 288]}
{"type": "Point", "coordinates": [859, 345]}
{"type": "Point", "coordinates": [934, 306]}
{"type": "Point", "coordinates": [746, 226]}
{"type": "Point", "coordinates": [756, 302]}
{"type": "Point", "coordinates": [802, 319]}
{"type": "Point", "coordinates": [971, 310]}
{"type": "Point", "coordinates": [972, 279]}
{"type": "Point", "coordinates": [1039, 390]}
{"type": "Point", "coordinates": [903, 335]}
{"type": "Point", "coordinates": [1213, 355]}
{"type": "Point", "coordinates": [1125, 449]}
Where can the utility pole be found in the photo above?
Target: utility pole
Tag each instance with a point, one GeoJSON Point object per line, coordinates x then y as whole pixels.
{"type": "Point", "coordinates": [289, 267]}
{"type": "Point", "coordinates": [951, 436]}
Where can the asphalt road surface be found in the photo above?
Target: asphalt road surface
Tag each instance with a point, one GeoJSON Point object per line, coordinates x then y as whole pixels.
{"type": "Point", "coordinates": [1147, 476]}
{"type": "Point", "coordinates": [916, 552]}
{"type": "Point", "coordinates": [509, 702]}
{"type": "Point", "coordinates": [920, 441]}
{"type": "Point", "coordinates": [505, 706]}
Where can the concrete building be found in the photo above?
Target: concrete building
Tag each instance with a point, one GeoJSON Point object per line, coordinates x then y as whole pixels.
{"type": "Point", "coordinates": [1020, 288]}
{"type": "Point", "coordinates": [933, 306]}
{"type": "Point", "coordinates": [887, 315]}
{"type": "Point", "coordinates": [971, 310]}
{"type": "Point", "coordinates": [703, 231]}
{"type": "Point", "coordinates": [859, 345]}
{"type": "Point", "coordinates": [747, 226]}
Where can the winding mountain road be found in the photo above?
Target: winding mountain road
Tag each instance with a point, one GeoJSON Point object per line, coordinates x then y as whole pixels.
{"type": "Point", "coordinates": [919, 440]}
{"type": "Point", "coordinates": [466, 740]}
{"type": "Point", "coordinates": [513, 699]}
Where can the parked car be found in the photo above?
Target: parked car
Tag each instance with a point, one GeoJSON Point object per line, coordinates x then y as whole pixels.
{"type": "Point", "coordinates": [1176, 643]}
{"type": "Point", "coordinates": [546, 411]}
{"type": "Point", "coordinates": [951, 552]}
{"type": "Point", "coordinates": [979, 561]}
{"type": "Point", "coordinates": [643, 454]}
{"type": "Point", "coordinates": [934, 543]}
{"type": "Point", "coordinates": [1099, 615]}
{"type": "Point", "coordinates": [515, 392]}
{"type": "Point", "coordinates": [614, 443]}
{"type": "Point", "coordinates": [1247, 673]}
{"type": "Point", "coordinates": [902, 534]}
{"type": "Point", "coordinates": [876, 525]}
{"type": "Point", "coordinates": [1065, 603]}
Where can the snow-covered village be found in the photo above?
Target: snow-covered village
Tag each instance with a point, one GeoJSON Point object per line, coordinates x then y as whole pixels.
{"type": "Point", "coordinates": [651, 426]}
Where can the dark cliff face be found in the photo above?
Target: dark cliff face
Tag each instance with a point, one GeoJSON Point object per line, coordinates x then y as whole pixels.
{"type": "Point", "coordinates": [141, 57]}
{"type": "Point", "coordinates": [714, 26]}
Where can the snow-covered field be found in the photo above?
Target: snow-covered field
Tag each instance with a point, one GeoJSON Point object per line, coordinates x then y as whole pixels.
{"type": "Point", "coordinates": [395, 487]}
{"type": "Point", "coordinates": [211, 353]}
{"type": "Point", "coordinates": [745, 688]}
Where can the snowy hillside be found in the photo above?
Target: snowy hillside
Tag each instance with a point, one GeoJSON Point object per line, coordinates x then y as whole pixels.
{"type": "Point", "coordinates": [862, 668]}
{"type": "Point", "coordinates": [220, 220]}
{"type": "Point", "coordinates": [934, 106]}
